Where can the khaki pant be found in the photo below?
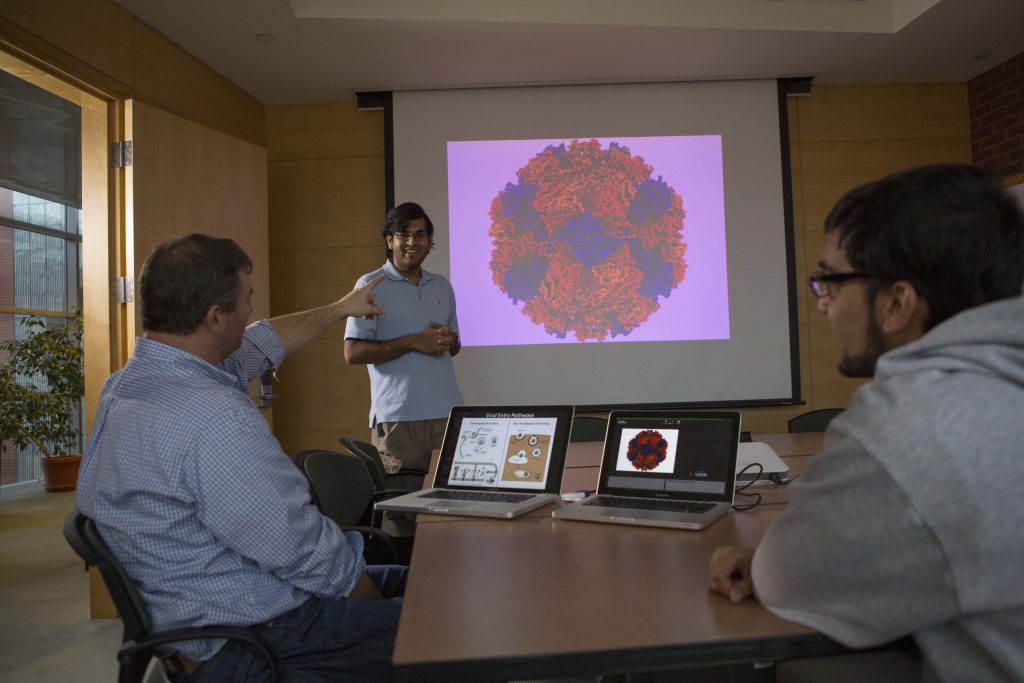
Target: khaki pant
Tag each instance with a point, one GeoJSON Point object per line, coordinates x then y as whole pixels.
{"type": "Point", "coordinates": [411, 443]}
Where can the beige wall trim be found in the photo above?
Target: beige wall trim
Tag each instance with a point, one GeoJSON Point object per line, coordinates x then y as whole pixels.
{"type": "Point", "coordinates": [102, 49]}
{"type": "Point", "coordinates": [171, 79]}
{"type": "Point", "coordinates": [58, 63]}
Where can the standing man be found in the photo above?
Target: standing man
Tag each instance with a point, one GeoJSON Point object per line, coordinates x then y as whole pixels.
{"type": "Point", "coordinates": [908, 521]}
{"type": "Point", "coordinates": [409, 351]}
{"type": "Point", "coordinates": [191, 491]}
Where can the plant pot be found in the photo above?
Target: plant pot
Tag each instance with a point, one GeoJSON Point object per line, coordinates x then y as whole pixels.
{"type": "Point", "coordinates": [60, 473]}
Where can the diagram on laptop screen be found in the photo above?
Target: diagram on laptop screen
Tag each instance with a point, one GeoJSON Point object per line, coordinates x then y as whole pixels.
{"type": "Point", "coordinates": [506, 452]}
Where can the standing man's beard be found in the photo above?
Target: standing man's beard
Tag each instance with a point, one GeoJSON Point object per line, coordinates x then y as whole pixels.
{"type": "Point", "coordinates": [863, 365]}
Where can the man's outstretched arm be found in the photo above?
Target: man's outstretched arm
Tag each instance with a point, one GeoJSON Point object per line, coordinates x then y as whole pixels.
{"type": "Point", "coordinates": [298, 329]}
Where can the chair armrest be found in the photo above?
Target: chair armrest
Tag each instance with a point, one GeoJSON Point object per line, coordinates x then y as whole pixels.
{"type": "Point", "coordinates": [130, 647]}
{"type": "Point", "coordinates": [408, 470]}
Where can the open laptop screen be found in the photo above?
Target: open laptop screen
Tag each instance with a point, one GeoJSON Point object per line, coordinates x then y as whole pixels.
{"type": "Point", "coordinates": [671, 454]}
{"type": "Point", "coordinates": [515, 448]}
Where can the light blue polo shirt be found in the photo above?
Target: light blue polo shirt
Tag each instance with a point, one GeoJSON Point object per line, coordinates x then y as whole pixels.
{"type": "Point", "coordinates": [414, 386]}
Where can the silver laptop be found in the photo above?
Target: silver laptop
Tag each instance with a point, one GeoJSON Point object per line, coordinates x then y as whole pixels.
{"type": "Point", "coordinates": [496, 461]}
{"type": "Point", "coordinates": [672, 469]}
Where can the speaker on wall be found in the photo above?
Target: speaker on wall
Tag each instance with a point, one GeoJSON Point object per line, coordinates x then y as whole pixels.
{"type": "Point", "coordinates": [370, 101]}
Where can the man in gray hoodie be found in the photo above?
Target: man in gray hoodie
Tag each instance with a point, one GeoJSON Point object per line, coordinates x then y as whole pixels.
{"type": "Point", "coordinates": [909, 520]}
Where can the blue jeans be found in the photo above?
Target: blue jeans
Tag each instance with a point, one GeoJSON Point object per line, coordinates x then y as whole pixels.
{"type": "Point", "coordinates": [324, 639]}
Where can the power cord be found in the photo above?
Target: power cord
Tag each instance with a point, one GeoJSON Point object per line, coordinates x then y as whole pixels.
{"type": "Point", "coordinates": [740, 490]}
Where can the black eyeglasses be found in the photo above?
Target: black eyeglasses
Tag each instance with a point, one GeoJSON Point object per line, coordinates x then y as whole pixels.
{"type": "Point", "coordinates": [418, 236]}
{"type": "Point", "coordinates": [826, 283]}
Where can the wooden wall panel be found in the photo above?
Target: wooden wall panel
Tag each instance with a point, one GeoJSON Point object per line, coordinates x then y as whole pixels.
{"type": "Point", "coordinates": [327, 203]}
{"type": "Point", "coordinates": [174, 80]}
{"type": "Point", "coordinates": [316, 388]}
{"type": "Point", "coordinates": [825, 180]}
{"type": "Point", "coordinates": [324, 131]}
{"type": "Point", "coordinates": [305, 278]}
{"type": "Point", "coordinates": [326, 179]}
{"type": "Point", "coordinates": [883, 112]}
{"type": "Point", "coordinates": [190, 178]}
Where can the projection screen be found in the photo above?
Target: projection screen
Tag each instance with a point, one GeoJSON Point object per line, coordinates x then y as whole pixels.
{"type": "Point", "coordinates": [609, 245]}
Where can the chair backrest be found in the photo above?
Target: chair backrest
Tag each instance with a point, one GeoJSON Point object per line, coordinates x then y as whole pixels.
{"type": "Point", "coordinates": [340, 484]}
{"type": "Point", "coordinates": [588, 429]}
{"type": "Point", "coordinates": [369, 454]}
{"type": "Point", "coordinates": [84, 538]}
{"type": "Point", "coordinates": [139, 643]}
{"type": "Point", "coordinates": [813, 421]}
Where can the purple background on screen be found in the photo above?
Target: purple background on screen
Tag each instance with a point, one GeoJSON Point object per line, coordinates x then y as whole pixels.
{"type": "Point", "coordinates": [692, 165]}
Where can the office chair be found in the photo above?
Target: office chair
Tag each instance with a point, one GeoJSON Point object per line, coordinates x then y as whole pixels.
{"type": "Point", "coordinates": [139, 642]}
{"type": "Point", "coordinates": [588, 429]}
{"type": "Point", "coordinates": [406, 479]}
{"type": "Point", "coordinates": [342, 490]}
{"type": "Point", "coordinates": [813, 421]}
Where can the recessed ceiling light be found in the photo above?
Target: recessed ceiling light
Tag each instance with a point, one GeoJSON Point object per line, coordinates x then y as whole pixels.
{"type": "Point", "coordinates": [265, 38]}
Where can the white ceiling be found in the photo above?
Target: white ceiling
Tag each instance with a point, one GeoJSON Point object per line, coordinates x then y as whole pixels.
{"type": "Point", "coordinates": [326, 49]}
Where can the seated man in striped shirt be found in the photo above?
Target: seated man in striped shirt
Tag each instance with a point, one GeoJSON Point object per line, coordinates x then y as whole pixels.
{"type": "Point", "coordinates": [195, 497]}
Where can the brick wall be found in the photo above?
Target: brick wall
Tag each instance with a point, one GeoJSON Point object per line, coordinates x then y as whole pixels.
{"type": "Point", "coordinates": [997, 117]}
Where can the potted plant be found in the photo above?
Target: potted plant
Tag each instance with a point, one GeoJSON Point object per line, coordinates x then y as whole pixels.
{"type": "Point", "coordinates": [42, 380]}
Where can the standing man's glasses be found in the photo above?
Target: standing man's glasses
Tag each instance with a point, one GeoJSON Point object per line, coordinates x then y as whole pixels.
{"type": "Point", "coordinates": [822, 284]}
{"type": "Point", "coordinates": [418, 236]}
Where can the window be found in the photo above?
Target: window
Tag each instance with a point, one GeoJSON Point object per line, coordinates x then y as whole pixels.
{"type": "Point", "coordinates": [40, 223]}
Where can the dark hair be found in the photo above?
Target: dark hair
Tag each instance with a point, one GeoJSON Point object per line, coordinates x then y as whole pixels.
{"type": "Point", "coordinates": [183, 278]}
{"type": "Point", "coordinates": [399, 218]}
{"type": "Point", "coordinates": [950, 230]}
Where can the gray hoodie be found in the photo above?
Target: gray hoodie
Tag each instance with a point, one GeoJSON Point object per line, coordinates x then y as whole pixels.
{"type": "Point", "coordinates": [911, 520]}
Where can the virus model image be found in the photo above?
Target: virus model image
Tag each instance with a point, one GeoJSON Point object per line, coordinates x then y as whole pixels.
{"type": "Point", "coordinates": [647, 450]}
{"type": "Point", "coordinates": [587, 240]}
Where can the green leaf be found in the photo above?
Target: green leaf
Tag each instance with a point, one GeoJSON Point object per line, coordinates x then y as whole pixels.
{"type": "Point", "coordinates": [42, 380]}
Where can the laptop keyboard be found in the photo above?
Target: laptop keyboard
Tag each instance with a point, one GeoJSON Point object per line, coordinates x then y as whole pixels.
{"type": "Point", "coordinates": [484, 496]}
{"type": "Point", "coordinates": [649, 504]}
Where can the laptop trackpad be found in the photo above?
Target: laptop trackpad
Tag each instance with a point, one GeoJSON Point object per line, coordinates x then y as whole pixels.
{"type": "Point", "coordinates": [451, 505]}
{"type": "Point", "coordinates": [633, 513]}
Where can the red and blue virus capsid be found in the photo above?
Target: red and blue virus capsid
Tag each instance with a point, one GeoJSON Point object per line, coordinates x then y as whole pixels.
{"type": "Point", "coordinates": [587, 240]}
{"type": "Point", "coordinates": [647, 450]}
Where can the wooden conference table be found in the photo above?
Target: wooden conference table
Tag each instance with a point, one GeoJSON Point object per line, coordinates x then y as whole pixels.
{"type": "Point", "coordinates": [534, 596]}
